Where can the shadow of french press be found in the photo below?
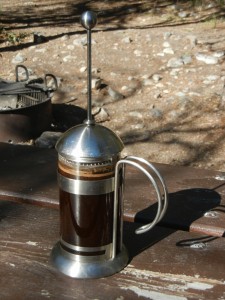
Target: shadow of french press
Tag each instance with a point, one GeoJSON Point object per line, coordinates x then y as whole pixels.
{"type": "Point", "coordinates": [137, 243]}
{"type": "Point", "coordinates": [185, 207]}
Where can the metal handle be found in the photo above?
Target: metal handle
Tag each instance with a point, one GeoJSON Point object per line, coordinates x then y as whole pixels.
{"type": "Point", "coordinates": [162, 195]}
{"type": "Point", "coordinates": [17, 73]}
{"type": "Point", "coordinates": [47, 79]}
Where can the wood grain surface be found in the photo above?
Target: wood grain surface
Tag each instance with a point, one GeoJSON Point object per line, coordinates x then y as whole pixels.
{"type": "Point", "coordinates": [164, 263]}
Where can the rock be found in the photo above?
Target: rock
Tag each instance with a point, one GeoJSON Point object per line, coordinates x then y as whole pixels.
{"type": "Point", "coordinates": [39, 38]}
{"type": "Point", "coordinates": [100, 114]}
{"type": "Point", "coordinates": [40, 50]}
{"type": "Point", "coordinates": [148, 38]}
{"type": "Point", "coordinates": [48, 139]}
{"type": "Point", "coordinates": [134, 84]}
{"type": "Point", "coordinates": [183, 14]}
{"type": "Point", "coordinates": [175, 62]}
{"type": "Point", "coordinates": [181, 94]}
{"type": "Point", "coordinates": [83, 69]}
{"type": "Point", "coordinates": [128, 90]}
{"type": "Point", "coordinates": [65, 37]}
{"type": "Point", "coordinates": [114, 94]}
{"type": "Point", "coordinates": [184, 100]}
{"type": "Point", "coordinates": [213, 77]}
{"type": "Point", "coordinates": [166, 45]}
{"type": "Point", "coordinates": [166, 35]}
{"type": "Point", "coordinates": [115, 46]}
{"type": "Point", "coordinates": [168, 51]}
{"type": "Point", "coordinates": [127, 40]}
{"type": "Point", "coordinates": [156, 77]}
{"type": "Point", "coordinates": [156, 113]}
{"type": "Point", "coordinates": [173, 115]}
{"type": "Point", "coordinates": [219, 54]}
{"type": "Point", "coordinates": [157, 95]}
{"type": "Point", "coordinates": [70, 47]}
{"type": "Point", "coordinates": [137, 126]}
{"type": "Point", "coordinates": [193, 40]}
{"type": "Point", "coordinates": [138, 52]}
{"type": "Point", "coordinates": [223, 96]}
{"type": "Point", "coordinates": [186, 59]}
{"type": "Point", "coordinates": [96, 83]}
{"type": "Point", "coordinates": [174, 72]}
{"type": "Point", "coordinates": [195, 94]}
{"type": "Point", "coordinates": [210, 79]}
{"type": "Point", "coordinates": [146, 76]}
{"type": "Point", "coordinates": [135, 114]}
{"type": "Point", "coordinates": [174, 7]}
{"type": "Point", "coordinates": [159, 85]}
{"type": "Point", "coordinates": [84, 91]}
{"type": "Point", "coordinates": [147, 82]}
{"type": "Point", "coordinates": [95, 70]}
{"type": "Point", "coordinates": [19, 58]}
{"type": "Point", "coordinates": [82, 41]}
{"type": "Point", "coordinates": [68, 58]}
{"type": "Point", "coordinates": [208, 59]}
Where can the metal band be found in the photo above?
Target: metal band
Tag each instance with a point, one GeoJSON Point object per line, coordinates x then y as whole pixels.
{"type": "Point", "coordinates": [107, 252]}
{"type": "Point", "coordinates": [85, 249]}
{"type": "Point", "coordinates": [86, 187]}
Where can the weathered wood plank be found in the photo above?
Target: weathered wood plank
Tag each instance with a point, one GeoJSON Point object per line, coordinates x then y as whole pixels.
{"type": "Point", "coordinates": [196, 197]}
{"type": "Point", "coordinates": [28, 174]}
{"type": "Point", "coordinates": [165, 264]}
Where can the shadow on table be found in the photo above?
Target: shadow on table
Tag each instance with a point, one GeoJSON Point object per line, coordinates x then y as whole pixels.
{"type": "Point", "coordinates": [185, 207]}
{"type": "Point", "coordinates": [137, 243]}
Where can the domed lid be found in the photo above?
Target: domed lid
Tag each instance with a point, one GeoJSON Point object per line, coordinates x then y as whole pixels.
{"type": "Point", "coordinates": [89, 143]}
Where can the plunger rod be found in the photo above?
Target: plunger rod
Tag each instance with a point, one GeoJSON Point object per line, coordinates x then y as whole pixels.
{"type": "Point", "coordinates": [89, 78]}
{"type": "Point", "coordinates": [88, 21]}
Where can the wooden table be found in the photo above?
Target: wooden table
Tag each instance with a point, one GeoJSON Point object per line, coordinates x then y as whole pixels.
{"type": "Point", "coordinates": [181, 259]}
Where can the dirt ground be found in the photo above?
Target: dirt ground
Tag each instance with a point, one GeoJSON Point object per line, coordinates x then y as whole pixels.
{"type": "Point", "coordinates": [163, 61]}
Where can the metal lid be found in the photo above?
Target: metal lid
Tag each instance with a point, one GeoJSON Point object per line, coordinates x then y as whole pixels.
{"type": "Point", "coordinates": [89, 143]}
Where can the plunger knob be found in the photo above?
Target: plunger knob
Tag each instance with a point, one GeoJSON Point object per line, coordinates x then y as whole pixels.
{"type": "Point", "coordinates": [88, 20]}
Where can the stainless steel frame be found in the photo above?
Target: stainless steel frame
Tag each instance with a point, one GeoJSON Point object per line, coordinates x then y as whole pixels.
{"type": "Point", "coordinates": [86, 187]}
{"type": "Point", "coordinates": [162, 196]}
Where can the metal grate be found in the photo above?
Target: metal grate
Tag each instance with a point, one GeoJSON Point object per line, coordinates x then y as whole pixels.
{"type": "Point", "coordinates": [25, 93]}
{"type": "Point", "coordinates": [32, 98]}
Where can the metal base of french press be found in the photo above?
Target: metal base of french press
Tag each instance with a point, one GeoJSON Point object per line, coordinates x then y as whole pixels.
{"type": "Point", "coordinates": [68, 265]}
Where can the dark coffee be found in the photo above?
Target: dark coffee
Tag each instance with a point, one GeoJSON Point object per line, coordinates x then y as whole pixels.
{"type": "Point", "coordinates": [87, 220]}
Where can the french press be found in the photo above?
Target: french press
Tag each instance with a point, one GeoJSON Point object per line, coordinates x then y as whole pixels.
{"type": "Point", "coordinates": [91, 177]}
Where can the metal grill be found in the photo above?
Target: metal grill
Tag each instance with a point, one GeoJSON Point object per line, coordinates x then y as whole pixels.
{"type": "Point", "coordinates": [32, 98]}
{"type": "Point", "coordinates": [25, 106]}
{"type": "Point", "coordinates": [25, 93]}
